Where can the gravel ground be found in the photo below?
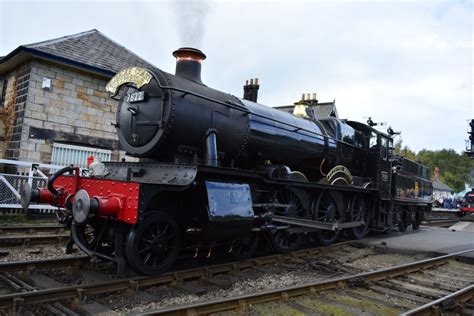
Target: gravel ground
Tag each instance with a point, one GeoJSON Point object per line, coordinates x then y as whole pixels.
{"type": "Point", "coordinates": [70, 276]}
{"type": "Point", "coordinates": [36, 233]}
{"type": "Point", "coordinates": [264, 278]}
{"type": "Point", "coordinates": [264, 282]}
{"type": "Point", "coordinates": [381, 261]}
{"type": "Point", "coordinates": [5, 289]}
{"type": "Point", "coordinates": [35, 252]}
{"type": "Point", "coordinates": [166, 296]}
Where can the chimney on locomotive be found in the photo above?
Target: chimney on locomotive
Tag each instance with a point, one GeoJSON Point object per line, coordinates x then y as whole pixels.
{"type": "Point", "coordinates": [188, 63]}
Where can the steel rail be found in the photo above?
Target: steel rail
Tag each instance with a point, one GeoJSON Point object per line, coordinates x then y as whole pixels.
{"type": "Point", "coordinates": [242, 301]}
{"type": "Point", "coordinates": [31, 265]}
{"type": "Point", "coordinates": [12, 301]}
{"type": "Point", "coordinates": [26, 240]}
{"type": "Point", "coordinates": [447, 302]}
{"type": "Point", "coordinates": [31, 229]}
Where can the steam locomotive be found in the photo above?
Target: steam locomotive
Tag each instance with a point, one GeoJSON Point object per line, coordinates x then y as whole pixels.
{"type": "Point", "coordinates": [220, 172]}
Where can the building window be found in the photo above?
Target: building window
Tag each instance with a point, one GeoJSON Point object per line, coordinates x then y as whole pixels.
{"type": "Point", "coordinates": [64, 154]}
{"type": "Point", "coordinates": [4, 91]}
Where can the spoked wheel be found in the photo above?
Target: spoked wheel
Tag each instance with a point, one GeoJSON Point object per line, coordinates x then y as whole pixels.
{"type": "Point", "coordinates": [327, 208]}
{"type": "Point", "coordinates": [403, 220]}
{"type": "Point", "coordinates": [93, 234]}
{"type": "Point", "coordinates": [244, 248]}
{"type": "Point", "coordinates": [359, 212]}
{"type": "Point", "coordinates": [154, 244]}
{"type": "Point", "coordinates": [415, 220]}
{"type": "Point", "coordinates": [284, 240]}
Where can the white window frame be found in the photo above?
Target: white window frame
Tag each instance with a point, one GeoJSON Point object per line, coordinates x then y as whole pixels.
{"type": "Point", "coordinates": [75, 148]}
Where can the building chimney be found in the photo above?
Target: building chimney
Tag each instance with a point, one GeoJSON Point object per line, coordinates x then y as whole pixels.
{"type": "Point", "coordinates": [436, 174]}
{"type": "Point", "coordinates": [188, 63]}
{"type": "Point", "coordinates": [251, 90]}
{"type": "Point", "coordinates": [308, 98]}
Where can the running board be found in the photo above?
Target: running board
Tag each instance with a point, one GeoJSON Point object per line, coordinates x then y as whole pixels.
{"type": "Point", "coordinates": [270, 205]}
{"type": "Point", "coordinates": [315, 224]}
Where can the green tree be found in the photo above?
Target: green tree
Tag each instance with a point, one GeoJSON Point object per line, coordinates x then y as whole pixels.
{"type": "Point", "coordinates": [404, 151]}
{"type": "Point", "coordinates": [454, 167]}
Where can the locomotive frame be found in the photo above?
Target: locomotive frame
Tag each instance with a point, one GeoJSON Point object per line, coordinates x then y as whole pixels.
{"type": "Point", "coordinates": [231, 181]}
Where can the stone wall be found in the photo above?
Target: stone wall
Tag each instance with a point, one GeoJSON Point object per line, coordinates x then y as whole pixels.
{"type": "Point", "coordinates": [2, 132]}
{"type": "Point", "coordinates": [76, 110]}
{"type": "Point", "coordinates": [3, 120]}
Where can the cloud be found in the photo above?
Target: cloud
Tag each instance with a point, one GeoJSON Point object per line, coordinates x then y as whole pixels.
{"type": "Point", "coordinates": [408, 63]}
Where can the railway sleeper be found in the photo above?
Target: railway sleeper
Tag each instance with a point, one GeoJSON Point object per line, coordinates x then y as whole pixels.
{"type": "Point", "coordinates": [419, 288]}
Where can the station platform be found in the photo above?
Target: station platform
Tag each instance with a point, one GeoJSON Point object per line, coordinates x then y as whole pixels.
{"type": "Point", "coordinates": [435, 240]}
{"type": "Point", "coordinates": [445, 210]}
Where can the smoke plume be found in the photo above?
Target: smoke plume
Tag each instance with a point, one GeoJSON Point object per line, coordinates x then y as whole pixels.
{"type": "Point", "coordinates": [190, 18]}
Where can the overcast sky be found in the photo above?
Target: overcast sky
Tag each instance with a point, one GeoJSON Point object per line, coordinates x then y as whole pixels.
{"type": "Point", "coordinates": [407, 63]}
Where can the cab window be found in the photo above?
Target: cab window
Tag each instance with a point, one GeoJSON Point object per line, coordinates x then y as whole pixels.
{"type": "Point", "coordinates": [373, 140]}
{"type": "Point", "coordinates": [383, 148]}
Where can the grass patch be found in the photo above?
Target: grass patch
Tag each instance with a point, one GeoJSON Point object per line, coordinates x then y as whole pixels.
{"type": "Point", "coordinates": [364, 305]}
{"type": "Point", "coordinates": [324, 308]}
{"type": "Point", "coordinates": [279, 309]}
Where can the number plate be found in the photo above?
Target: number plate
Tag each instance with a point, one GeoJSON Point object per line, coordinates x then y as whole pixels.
{"type": "Point", "coordinates": [135, 97]}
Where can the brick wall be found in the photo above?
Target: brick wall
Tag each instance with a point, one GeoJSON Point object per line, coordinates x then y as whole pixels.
{"type": "Point", "coordinates": [14, 95]}
{"type": "Point", "coordinates": [2, 132]}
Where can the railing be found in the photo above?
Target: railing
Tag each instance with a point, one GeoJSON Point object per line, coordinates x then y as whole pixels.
{"type": "Point", "coordinates": [11, 184]}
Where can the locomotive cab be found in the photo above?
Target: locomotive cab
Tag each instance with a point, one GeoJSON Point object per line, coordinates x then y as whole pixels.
{"type": "Point", "coordinates": [379, 150]}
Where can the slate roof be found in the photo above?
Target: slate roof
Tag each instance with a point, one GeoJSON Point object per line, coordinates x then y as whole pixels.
{"type": "Point", "coordinates": [439, 186]}
{"type": "Point", "coordinates": [322, 110]}
{"type": "Point", "coordinates": [91, 49]}
{"type": "Point", "coordinates": [325, 110]}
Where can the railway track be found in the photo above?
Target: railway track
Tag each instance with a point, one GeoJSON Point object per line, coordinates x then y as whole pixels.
{"type": "Point", "coordinates": [383, 280]}
{"type": "Point", "coordinates": [32, 229]}
{"type": "Point", "coordinates": [339, 275]}
{"type": "Point", "coordinates": [454, 301]}
{"type": "Point", "coordinates": [28, 240]}
{"type": "Point", "coordinates": [34, 265]}
{"type": "Point", "coordinates": [16, 235]}
{"type": "Point", "coordinates": [74, 293]}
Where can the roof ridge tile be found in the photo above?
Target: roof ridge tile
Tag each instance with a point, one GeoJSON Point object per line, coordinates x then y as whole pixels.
{"type": "Point", "coordinates": [90, 48]}
{"type": "Point", "coordinates": [60, 39]}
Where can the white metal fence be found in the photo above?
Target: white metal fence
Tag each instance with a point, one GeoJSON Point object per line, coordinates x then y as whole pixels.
{"type": "Point", "coordinates": [11, 184]}
{"type": "Point", "coordinates": [65, 154]}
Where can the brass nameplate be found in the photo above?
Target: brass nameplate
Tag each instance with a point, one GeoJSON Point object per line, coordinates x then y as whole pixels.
{"type": "Point", "coordinates": [136, 75]}
{"type": "Point", "coordinates": [340, 169]}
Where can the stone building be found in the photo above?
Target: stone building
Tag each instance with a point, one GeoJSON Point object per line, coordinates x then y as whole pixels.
{"type": "Point", "coordinates": [54, 107]}
{"type": "Point", "coordinates": [441, 191]}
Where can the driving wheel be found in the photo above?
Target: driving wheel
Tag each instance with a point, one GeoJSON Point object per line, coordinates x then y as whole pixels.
{"type": "Point", "coordinates": [153, 244]}
{"type": "Point", "coordinates": [403, 220]}
{"type": "Point", "coordinates": [416, 219]}
{"type": "Point", "coordinates": [359, 212]}
{"type": "Point", "coordinates": [245, 247]}
{"type": "Point", "coordinates": [283, 240]}
{"type": "Point", "coordinates": [328, 208]}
